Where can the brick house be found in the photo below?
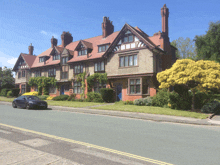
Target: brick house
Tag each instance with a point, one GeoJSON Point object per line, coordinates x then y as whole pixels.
{"type": "Point", "coordinates": [130, 58]}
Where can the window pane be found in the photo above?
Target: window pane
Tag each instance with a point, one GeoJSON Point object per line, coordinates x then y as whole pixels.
{"type": "Point", "coordinates": [138, 89]}
{"type": "Point", "coordinates": [85, 51]}
{"type": "Point", "coordinates": [135, 60]}
{"type": "Point", "coordinates": [79, 53]}
{"type": "Point", "coordinates": [130, 39]}
{"type": "Point", "coordinates": [138, 81]}
{"type": "Point", "coordinates": [81, 69]}
{"type": "Point", "coordinates": [102, 66]}
{"type": "Point", "coordinates": [131, 82]}
{"type": "Point", "coordinates": [75, 89]}
{"type": "Point", "coordinates": [99, 67]}
{"type": "Point", "coordinates": [96, 67]}
{"type": "Point", "coordinates": [126, 60]}
{"type": "Point", "coordinates": [58, 57]}
{"type": "Point", "coordinates": [131, 89]}
{"type": "Point", "coordinates": [100, 48]}
{"type": "Point", "coordinates": [125, 39]}
{"type": "Point", "coordinates": [130, 60]}
{"type": "Point", "coordinates": [78, 69]}
{"type": "Point", "coordinates": [106, 47]}
{"type": "Point", "coordinates": [121, 61]}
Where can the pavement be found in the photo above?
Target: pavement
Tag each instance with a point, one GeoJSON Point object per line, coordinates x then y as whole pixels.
{"type": "Point", "coordinates": [213, 120]}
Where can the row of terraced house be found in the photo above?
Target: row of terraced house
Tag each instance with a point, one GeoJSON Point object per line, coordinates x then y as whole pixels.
{"type": "Point", "coordinates": [130, 58]}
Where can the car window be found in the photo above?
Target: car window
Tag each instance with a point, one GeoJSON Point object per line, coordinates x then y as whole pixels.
{"type": "Point", "coordinates": [33, 98]}
{"type": "Point", "coordinates": [20, 97]}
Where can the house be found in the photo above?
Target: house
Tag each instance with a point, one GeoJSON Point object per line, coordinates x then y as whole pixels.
{"type": "Point", "coordinates": [130, 58]}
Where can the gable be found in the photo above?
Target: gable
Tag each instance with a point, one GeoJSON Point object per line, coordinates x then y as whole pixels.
{"type": "Point", "coordinates": [20, 63]}
{"type": "Point", "coordinates": [127, 41]}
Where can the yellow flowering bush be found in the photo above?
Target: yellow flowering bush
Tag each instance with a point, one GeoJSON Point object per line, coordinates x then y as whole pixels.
{"type": "Point", "coordinates": [199, 75]}
{"type": "Point", "coordinates": [50, 97]}
{"type": "Point", "coordinates": [31, 93]}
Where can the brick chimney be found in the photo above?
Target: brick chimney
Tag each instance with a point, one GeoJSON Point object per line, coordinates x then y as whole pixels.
{"type": "Point", "coordinates": [31, 49]}
{"type": "Point", "coordinates": [53, 42]}
{"type": "Point", "coordinates": [165, 15]}
{"type": "Point", "coordinates": [66, 38]}
{"type": "Point", "coordinates": [107, 27]}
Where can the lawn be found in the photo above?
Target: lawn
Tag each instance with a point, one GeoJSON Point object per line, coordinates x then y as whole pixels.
{"type": "Point", "coordinates": [119, 106]}
{"type": "Point", "coordinates": [74, 104]}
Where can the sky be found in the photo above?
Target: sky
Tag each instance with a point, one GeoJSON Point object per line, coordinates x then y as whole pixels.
{"type": "Point", "coordinates": [23, 22]}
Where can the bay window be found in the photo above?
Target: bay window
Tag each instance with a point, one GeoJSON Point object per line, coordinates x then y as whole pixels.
{"type": "Point", "coordinates": [125, 61]}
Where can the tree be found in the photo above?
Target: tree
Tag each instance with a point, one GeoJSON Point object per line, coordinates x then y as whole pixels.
{"type": "Point", "coordinates": [200, 75]}
{"type": "Point", "coordinates": [208, 45]}
{"type": "Point", "coordinates": [185, 48]}
{"type": "Point", "coordinates": [6, 78]}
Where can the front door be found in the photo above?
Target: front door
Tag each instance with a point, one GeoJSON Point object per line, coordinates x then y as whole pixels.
{"type": "Point", "coordinates": [119, 93]}
{"type": "Point", "coordinates": [62, 90]}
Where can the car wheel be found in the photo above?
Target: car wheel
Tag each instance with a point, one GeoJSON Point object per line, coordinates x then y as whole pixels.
{"type": "Point", "coordinates": [14, 105]}
{"type": "Point", "coordinates": [27, 106]}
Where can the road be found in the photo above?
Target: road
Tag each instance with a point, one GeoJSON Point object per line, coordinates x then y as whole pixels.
{"type": "Point", "coordinates": [167, 142]}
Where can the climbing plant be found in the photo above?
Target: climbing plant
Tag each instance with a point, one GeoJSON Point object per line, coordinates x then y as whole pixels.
{"type": "Point", "coordinates": [81, 78]}
{"type": "Point", "coordinates": [42, 82]}
{"type": "Point", "coordinates": [100, 77]}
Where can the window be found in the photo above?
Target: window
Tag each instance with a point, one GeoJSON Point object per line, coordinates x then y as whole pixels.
{"type": "Point", "coordinates": [98, 86]}
{"type": "Point", "coordinates": [52, 89]}
{"type": "Point", "coordinates": [128, 39]}
{"type": "Point", "coordinates": [77, 87]}
{"type": "Point", "coordinates": [23, 73]}
{"type": "Point", "coordinates": [66, 88]}
{"type": "Point", "coordinates": [41, 59]}
{"type": "Point", "coordinates": [78, 69]}
{"type": "Point", "coordinates": [125, 61]}
{"type": "Point", "coordinates": [56, 57]}
{"type": "Point", "coordinates": [37, 74]}
{"type": "Point", "coordinates": [23, 89]}
{"type": "Point", "coordinates": [19, 74]}
{"type": "Point", "coordinates": [135, 86]}
{"type": "Point", "coordinates": [99, 66]}
{"type": "Point", "coordinates": [64, 73]}
{"type": "Point", "coordinates": [52, 72]}
{"type": "Point", "coordinates": [103, 48]}
{"type": "Point", "coordinates": [82, 52]}
{"type": "Point", "coordinates": [64, 60]}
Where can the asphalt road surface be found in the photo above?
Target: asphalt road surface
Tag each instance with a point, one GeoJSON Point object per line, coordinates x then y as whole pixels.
{"type": "Point", "coordinates": [155, 141]}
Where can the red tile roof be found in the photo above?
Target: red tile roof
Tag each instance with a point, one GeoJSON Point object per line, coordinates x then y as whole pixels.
{"type": "Point", "coordinates": [29, 59]}
{"type": "Point", "coordinates": [95, 41]}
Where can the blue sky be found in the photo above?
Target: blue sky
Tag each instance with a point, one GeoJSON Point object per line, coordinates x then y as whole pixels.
{"type": "Point", "coordinates": [23, 21]}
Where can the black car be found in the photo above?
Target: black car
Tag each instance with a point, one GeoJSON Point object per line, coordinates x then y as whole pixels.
{"type": "Point", "coordinates": [29, 102]}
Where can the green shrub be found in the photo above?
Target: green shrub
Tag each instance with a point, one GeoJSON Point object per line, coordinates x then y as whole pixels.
{"type": "Point", "coordinates": [107, 95]}
{"type": "Point", "coordinates": [211, 107]}
{"type": "Point", "coordinates": [9, 94]}
{"type": "Point", "coordinates": [127, 102]}
{"type": "Point", "coordinates": [72, 96]}
{"type": "Point", "coordinates": [15, 92]}
{"type": "Point", "coordinates": [80, 100]}
{"type": "Point", "coordinates": [73, 99]}
{"type": "Point", "coordinates": [178, 102]}
{"type": "Point", "coordinates": [91, 96]}
{"type": "Point", "coordinates": [161, 98]}
{"type": "Point", "coordinates": [138, 102]}
{"type": "Point", "coordinates": [43, 97]}
{"type": "Point", "coordinates": [143, 101]}
{"type": "Point", "coordinates": [98, 100]}
{"type": "Point", "coordinates": [61, 98]}
{"type": "Point", "coordinates": [4, 92]}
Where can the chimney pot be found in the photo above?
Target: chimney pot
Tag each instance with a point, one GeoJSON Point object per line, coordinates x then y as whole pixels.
{"type": "Point", "coordinates": [31, 49]}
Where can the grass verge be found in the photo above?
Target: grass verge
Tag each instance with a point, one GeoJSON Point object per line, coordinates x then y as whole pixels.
{"type": "Point", "coordinates": [6, 99]}
{"type": "Point", "coordinates": [74, 104]}
{"type": "Point", "coordinates": [119, 106]}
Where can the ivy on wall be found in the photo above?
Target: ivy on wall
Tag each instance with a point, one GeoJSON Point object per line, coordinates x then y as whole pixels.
{"type": "Point", "coordinates": [42, 82]}
{"type": "Point", "coordinates": [81, 78]}
{"type": "Point", "coordinates": [100, 77]}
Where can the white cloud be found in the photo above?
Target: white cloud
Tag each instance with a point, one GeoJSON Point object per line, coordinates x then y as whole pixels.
{"type": "Point", "coordinates": [43, 32]}
{"type": "Point", "coordinates": [6, 60]}
{"type": "Point", "coordinates": [50, 34]}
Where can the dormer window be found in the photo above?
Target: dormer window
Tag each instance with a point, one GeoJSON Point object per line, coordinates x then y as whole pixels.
{"type": "Point", "coordinates": [64, 60]}
{"type": "Point", "coordinates": [82, 52]}
{"type": "Point", "coordinates": [41, 59]}
{"type": "Point", "coordinates": [56, 57]}
{"type": "Point", "coordinates": [103, 48]}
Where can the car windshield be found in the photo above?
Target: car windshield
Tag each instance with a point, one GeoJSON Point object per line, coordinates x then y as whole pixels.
{"type": "Point", "coordinates": [33, 98]}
